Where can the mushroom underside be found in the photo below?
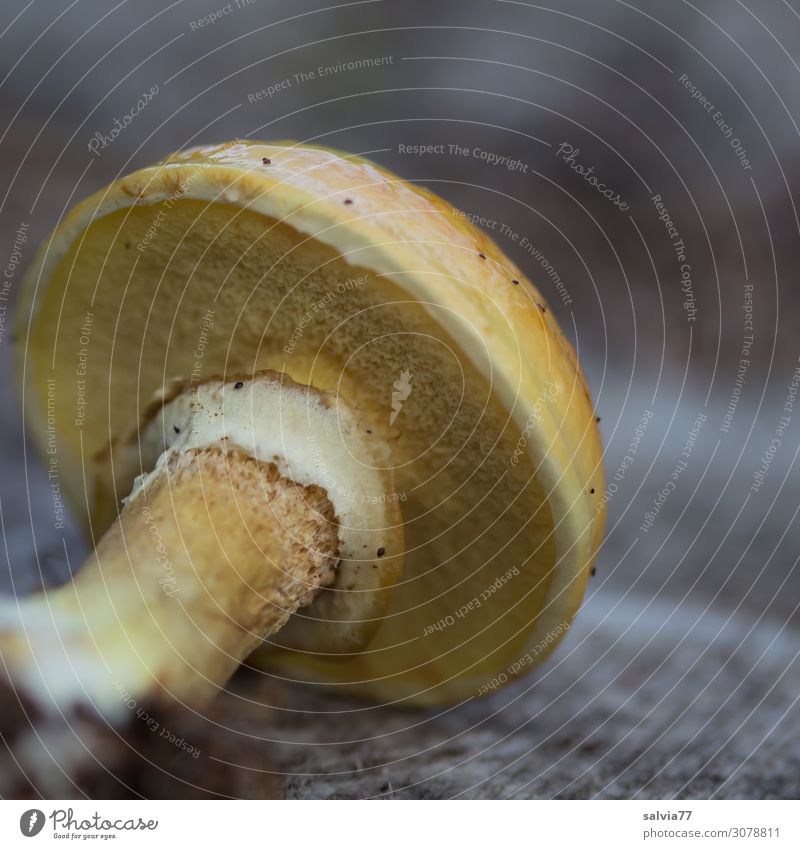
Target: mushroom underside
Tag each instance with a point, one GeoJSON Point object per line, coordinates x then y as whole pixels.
{"type": "Point", "coordinates": [225, 290]}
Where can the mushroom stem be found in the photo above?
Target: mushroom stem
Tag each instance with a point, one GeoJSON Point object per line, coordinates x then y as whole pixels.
{"type": "Point", "coordinates": [261, 493]}
{"type": "Point", "coordinates": [208, 558]}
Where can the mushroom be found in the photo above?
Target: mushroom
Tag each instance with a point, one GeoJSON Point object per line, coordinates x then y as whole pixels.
{"type": "Point", "coordinates": [307, 410]}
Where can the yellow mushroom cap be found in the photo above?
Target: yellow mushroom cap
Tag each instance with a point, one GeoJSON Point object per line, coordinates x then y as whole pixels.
{"type": "Point", "coordinates": [310, 262]}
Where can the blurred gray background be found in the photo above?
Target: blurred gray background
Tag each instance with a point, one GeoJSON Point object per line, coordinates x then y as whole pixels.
{"type": "Point", "coordinates": [680, 677]}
